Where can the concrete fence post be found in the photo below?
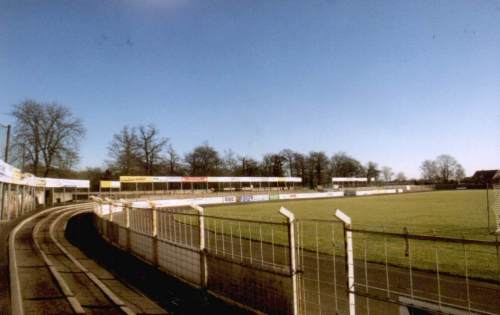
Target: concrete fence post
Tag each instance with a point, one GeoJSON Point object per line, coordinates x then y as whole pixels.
{"type": "Point", "coordinates": [293, 259]}
{"type": "Point", "coordinates": [110, 209]}
{"type": "Point", "coordinates": [349, 259]}
{"type": "Point", "coordinates": [2, 201]}
{"type": "Point", "coordinates": [126, 209]}
{"type": "Point", "coordinates": [203, 254]}
{"type": "Point", "coordinates": [154, 232]}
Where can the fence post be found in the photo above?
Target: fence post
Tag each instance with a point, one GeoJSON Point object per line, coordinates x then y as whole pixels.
{"type": "Point", "coordinates": [154, 233]}
{"type": "Point", "coordinates": [203, 254]}
{"type": "Point", "coordinates": [126, 208]}
{"type": "Point", "coordinates": [2, 189]}
{"type": "Point", "coordinates": [110, 209]}
{"type": "Point", "coordinates": [349, 257]}
{"type": "Point", "coordinates": [9, 200]}
{"type": "Point", "coordinates": [293, 267]}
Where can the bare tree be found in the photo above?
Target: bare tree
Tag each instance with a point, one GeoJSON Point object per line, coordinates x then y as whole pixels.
{"type": "Point", "coordinates": [400, 177]}
{"type": "Point", "coordinates": [229, 163]}
{"type": "Point", "coordinates": [248, 166]}
{"type": "Point", "coordinates": [173, 161]}
{"type": "Point", "coordinates": [343, 165]}
{"type": "Point", "coordinates": [272, 165]}
{"type": "Point", "coordinates": [387, 173]}
{"type": "Point", "coordinates": [203, 161]}
{"type": "Point", "coordinates": [124, 151]}
{"type": "Point", "coordinates": [318, 168]}
{"type": "Point", "coordinates": [150, 146]}
{"type": "Point", "coordinates": [372, 171]}
{"type": "Point", "coordinates": [27, 131]}
{"type": "Point", "coordinates": [429, 170]}
{"type": "Point", "coordinates": [300, 166]}
{"type": "Point", "coordinates": [288, 156]}
{"type": "Point", "coordinates": [444, 168]}
{"type": "Point", "coordinates": [50, 134]}
{"type": "Point", "coordinates": [459, 173]}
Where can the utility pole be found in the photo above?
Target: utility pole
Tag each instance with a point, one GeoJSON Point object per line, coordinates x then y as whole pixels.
{"type": "Point", "coordinates": [7, 144]}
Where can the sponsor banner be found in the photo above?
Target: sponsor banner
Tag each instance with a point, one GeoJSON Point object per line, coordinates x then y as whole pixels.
{"type": "Point", "coordinates": [171, 179]}
{"type": "Point", "coordinates": [185, 202]}
{"type": "Point", "coordinates": [109, 184]}
{"type": "Point", "coordinates": [375, 192]}
{"type": "Point", "coordinates": [66, 183]}
{"type": "Point", "coordinates": [136, 179]}
{"type": "Point", "coordinates": [349, 179]}
{"type": "Point", "coordinates": [213, 179]}
{"type": "Point", "coordinates": [329, 194]}
{"type": "Point", "coordinates": [242, 179]}
{"type": "Point", "coordinates": [12, 175]}
{"type": "Point", "coordinates": [194, 179]}
{"type": "Point", "coordinates": [233, 199]}
{"type": "Point", "coordinates": [246, 198]}
{"type": "Point", "coordinates": [150, 179]}
{"type": "Point", "coordinates": [274, 197]}
{"type": "Point", "coordinates": [254, 198]}
{"type": "Point", "coordinates": [209, 179]}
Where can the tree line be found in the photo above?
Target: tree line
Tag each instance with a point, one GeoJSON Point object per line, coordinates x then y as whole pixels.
{"type": "Point", "coordinates": [142, 150]}
{"type": "Point", "coordinates": [47, 135]}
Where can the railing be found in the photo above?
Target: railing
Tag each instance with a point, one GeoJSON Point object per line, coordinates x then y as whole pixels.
{"type": "Point", "coordinates": [258, 264]}
{"type": "Point", "coordinates": [291, 265]}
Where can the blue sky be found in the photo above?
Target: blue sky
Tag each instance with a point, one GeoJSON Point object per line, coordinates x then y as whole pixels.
{"type": "Point", "coordinates": [393, 82]}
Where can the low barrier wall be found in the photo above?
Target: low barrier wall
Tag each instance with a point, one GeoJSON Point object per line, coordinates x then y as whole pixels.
{"type": "Point", "coordinates": [379, 192]}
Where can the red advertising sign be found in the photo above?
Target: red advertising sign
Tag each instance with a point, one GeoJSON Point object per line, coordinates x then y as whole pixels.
{"type": "Point", "coordinates": [195, 179]}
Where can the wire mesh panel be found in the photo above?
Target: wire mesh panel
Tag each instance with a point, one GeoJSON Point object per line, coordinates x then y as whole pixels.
{"type": "Point", "coordinates": [179, 242]}
{"type": "Point", "coordinates": [249, 262]}
{"type": "Point", "coordinates": [322, 267]}
{"type": "Point", "coordinates": [179, 225]}
{"type": "Point", "coordinates": [427, 272]}
{"type": "Point", "coordinates": [141, 220]}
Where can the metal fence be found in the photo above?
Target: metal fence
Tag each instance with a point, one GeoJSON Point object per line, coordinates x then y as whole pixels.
{"type": "Point", "coordinates": [301, 266]}
{"type": "Point", "coordinates": [426, 272]}
{"type": "Point", "coordinates": [259, 264]}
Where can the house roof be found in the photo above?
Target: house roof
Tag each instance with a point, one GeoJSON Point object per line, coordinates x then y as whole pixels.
{"type": "Point", "coordinates": [486, 176]}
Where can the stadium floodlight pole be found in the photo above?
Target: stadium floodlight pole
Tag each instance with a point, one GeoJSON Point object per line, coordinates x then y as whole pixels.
{"type": "Point", "coordinates": [349, 258]}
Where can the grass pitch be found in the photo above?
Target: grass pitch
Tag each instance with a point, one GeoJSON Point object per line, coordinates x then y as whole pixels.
{"type": "Point", "coordinates": [458, 214]}
{"type": "Point", "coordinates": [453, 213]}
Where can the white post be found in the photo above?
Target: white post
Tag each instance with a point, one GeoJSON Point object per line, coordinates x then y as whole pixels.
{"type": "Point", "coordinates": [9, 199]}
{"type": "Point", "coordinates": [293, 268]}
{"type": "Point", "coordinates": [203, 256]}
{"type": "Point", "coordinates": [349, 258]}
{"type": "Point", "coordinates": [2, 200]}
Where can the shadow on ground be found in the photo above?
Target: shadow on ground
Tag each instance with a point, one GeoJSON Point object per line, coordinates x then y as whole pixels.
{"type": "Point", "coordinates": [171, 294]}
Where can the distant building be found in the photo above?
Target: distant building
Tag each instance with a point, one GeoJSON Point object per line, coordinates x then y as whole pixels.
{"type": "Point", "coordinates": [486, 177]}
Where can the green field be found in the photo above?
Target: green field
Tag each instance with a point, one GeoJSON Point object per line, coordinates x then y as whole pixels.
{"type": "Point", "coordinates": [460, 212]}
{"type": "Point", "coordinates": [441, 213]}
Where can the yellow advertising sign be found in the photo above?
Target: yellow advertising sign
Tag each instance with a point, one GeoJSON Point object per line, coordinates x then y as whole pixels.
{"type": "Point", "coordinates": [110, 184]}
{"type": "Point", "coordinates": [136, 179]}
